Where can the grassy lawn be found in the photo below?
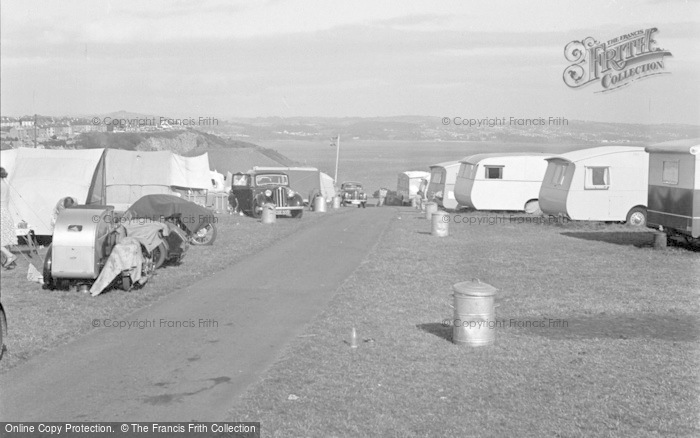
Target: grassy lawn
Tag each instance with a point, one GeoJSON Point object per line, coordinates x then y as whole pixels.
{"type": "Point", "coordinates": [625, 364]}
{"type": "Point", "coordinates": [40, 319]}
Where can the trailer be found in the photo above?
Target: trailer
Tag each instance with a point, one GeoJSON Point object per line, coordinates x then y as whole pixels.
{"type": "Point", "coordinates": [598, 184]}
{"type": "Point", "coordinates": [408, 184]}
{"type": "Point", "coordinates": [501, 181]}
{"type": "Point", "coordinates": [442, 183]}
{"type": "Point", "coordinates": [673, 202]}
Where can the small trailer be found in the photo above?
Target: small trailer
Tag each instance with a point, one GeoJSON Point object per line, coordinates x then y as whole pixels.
{"type": "Point", "coordinates": [408, 184]}
{"type": "Point", "coordinates": [501, 181]}
{"type": "Point", "coordinates": [442, 184]}
{"type": "Point", "coordinates": [674, 189]}
{"type": "Point", "coordinates": [598, 184]}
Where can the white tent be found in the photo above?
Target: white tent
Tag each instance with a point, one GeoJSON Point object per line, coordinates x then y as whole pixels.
{"type": "Point", "coordinates": [129, 175]}
{"type": "Point", "coordinates": [39, 178]}
{"type": "Point", "coordinates": [327, 186]}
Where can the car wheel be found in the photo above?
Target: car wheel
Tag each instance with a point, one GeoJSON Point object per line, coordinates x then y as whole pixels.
{"type": "Point", "coordinates": [159, 255]}
{"type": "Point", "coordinates": [256, 211]}
{"type": "Point", "coordinates": [297, 214]}
{"type": "Point", "coordinates": [205, 236]}
{"type": "Point", "coordinates": [637, 217]}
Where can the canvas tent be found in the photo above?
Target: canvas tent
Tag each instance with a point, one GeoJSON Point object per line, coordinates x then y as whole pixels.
{"type": "Point", "coordinates": [38, 178]}
{"type": "Point", "coordinates": [123, 177]}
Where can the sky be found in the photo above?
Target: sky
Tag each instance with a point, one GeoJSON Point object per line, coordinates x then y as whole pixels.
{"type": "Point", "coordinates": [321, 58]}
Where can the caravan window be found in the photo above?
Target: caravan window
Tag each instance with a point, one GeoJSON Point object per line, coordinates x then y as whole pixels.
{"type": "Point", "coordinates": [494, 172]}
{"type": "Point", "coordinates": [669, 174]}
{"type": "Point", "coordinates": [597, 178]}
{"type": "Point", "coordinates": [559, 174]}
{"type": "Point", "coordinates": [436, 176]}
{"type": "Point", "coordinates": [465, 170]}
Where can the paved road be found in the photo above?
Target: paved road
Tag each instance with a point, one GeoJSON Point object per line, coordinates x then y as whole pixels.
{"type": "Point", "coordinates": [248, 313]}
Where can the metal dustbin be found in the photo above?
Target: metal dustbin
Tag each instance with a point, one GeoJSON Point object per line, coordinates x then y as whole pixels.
{"type": "Point", "coordinates": [474, 321]}
{"type": "Point", "coordinates": [319, 204]}
{"type": "Point", "coordinates": [336, 202]}
{"type": "Point", "coordinates": [430, 208]}
{"type": "Point", "coordinates": [440, 224]}
{"type": "Point", "coordinates": [269, 216]}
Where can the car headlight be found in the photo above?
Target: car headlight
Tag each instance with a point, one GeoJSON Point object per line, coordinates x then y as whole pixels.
{"type": "Point", "coordinates": [268, 193]}
{"type": "Point", "coordinates": [290, 193]}
{"type": "Point", "coordinates": [439, 194]}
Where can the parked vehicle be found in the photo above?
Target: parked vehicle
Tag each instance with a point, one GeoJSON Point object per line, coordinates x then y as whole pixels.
{"type": "Point", "coordinates": [501, 181]}
{"type": "Point", "coordinates": [352, 193]}
{"type": "Point", "coordinates": [83, 239]}
{"type": "Point", "coordinates": [3, 329]}
{"type": "Point", "coordinates": [305, 181]}
{"type": "Point", "coordinates": [197, 222]}
{"type": "Point", "coordinates": [607, 183]}
{"type": "Point", "coordinates": [674, 189]}
{"type": "Point", "coordinates": [254, 189]}
{"type": "Point", "coordinates": [408, 184]}
{"type": "Point", "coordinates": [85, 235]}
{"type": "Point", "coordinates": [443, 177]}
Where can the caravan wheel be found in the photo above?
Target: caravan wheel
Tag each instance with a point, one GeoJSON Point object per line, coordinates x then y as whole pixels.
{"type": "Point", "coordinates": [533, 207]}
{"type": "Point", "coordinates": [637, 217]}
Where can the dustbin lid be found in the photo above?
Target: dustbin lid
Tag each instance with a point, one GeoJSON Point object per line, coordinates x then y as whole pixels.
{"type": "Point", "coordinates": [475, 287]}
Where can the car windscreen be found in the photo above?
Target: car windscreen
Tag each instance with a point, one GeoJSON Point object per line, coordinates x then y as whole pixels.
{"type": "Point", "coordinates": [352, 187]}
{"type": "Point", "coordinates": [271, 179]}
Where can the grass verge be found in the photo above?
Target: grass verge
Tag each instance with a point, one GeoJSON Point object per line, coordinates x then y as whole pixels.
{"type": "Point", "coordinates": [622, 362]}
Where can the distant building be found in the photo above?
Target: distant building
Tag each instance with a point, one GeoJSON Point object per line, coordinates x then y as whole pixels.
{"type": "Point", "coordinates": [9, 122]}
{"type": "Point", "coordinates": [26, 123]}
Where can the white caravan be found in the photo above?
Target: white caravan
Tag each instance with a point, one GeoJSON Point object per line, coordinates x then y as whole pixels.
{"type": "Point", "coordinates": [442, 183]}
{"type": "Point", "coordinates": [598, 184]}
{"type": "Point", "coordinates": [501, 181]}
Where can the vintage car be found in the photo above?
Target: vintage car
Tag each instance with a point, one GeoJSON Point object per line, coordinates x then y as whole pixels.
{"type": "Point", "coordinates": [254, 189]}
{"type": "Point", "coordinates": [197, 222]}
{"type": "Point", "coordinates": [351, 192]}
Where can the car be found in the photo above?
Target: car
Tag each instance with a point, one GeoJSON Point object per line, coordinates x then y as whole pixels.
{"type": "Point", "coordinates": [351, 192]}
{"type": "Point", "coordinates": [252, 190]}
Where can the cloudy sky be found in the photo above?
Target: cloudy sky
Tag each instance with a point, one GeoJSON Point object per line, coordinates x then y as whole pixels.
{"type": "Point", "coordinates": [337, 58]}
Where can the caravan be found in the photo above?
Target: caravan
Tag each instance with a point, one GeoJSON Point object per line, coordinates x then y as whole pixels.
{"type": "Point", "coordinates": [598, 184]}
{"type": "Point", "coordinates": [674, 188]}
{"type": "Point", "coordinates": [442, 183]}
{"type": "Point", "coordinates": [409, 183]}
{"type": "Point", "coordinates": [501, 181]}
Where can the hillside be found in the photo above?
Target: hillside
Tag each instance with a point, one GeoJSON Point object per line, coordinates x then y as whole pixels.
{"type": "Point", "coordinates": [225, 154]}
{"type": "Point", "coordinates": [420, 128]}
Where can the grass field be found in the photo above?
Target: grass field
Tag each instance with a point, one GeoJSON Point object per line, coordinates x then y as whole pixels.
{"type": "Point", "coordinates": [41, 319]}
{"type": "Point", "coordinates": [623, 361]}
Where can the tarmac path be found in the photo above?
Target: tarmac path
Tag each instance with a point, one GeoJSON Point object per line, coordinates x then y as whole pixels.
{"type": "Point", "coordinates": [241, 319]}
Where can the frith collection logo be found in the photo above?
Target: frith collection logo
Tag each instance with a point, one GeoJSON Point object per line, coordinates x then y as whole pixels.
{"type": "Point", "coordinates": [615, 63]}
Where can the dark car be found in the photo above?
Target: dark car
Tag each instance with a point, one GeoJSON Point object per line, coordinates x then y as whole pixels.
{"type": "Point", "coordinates": [351, 192]}
{"type": "Point", "coordinates": [250, 191]}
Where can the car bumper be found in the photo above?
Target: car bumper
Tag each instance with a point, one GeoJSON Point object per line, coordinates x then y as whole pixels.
{"type": "Point", "coordinates": [355, 201]}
